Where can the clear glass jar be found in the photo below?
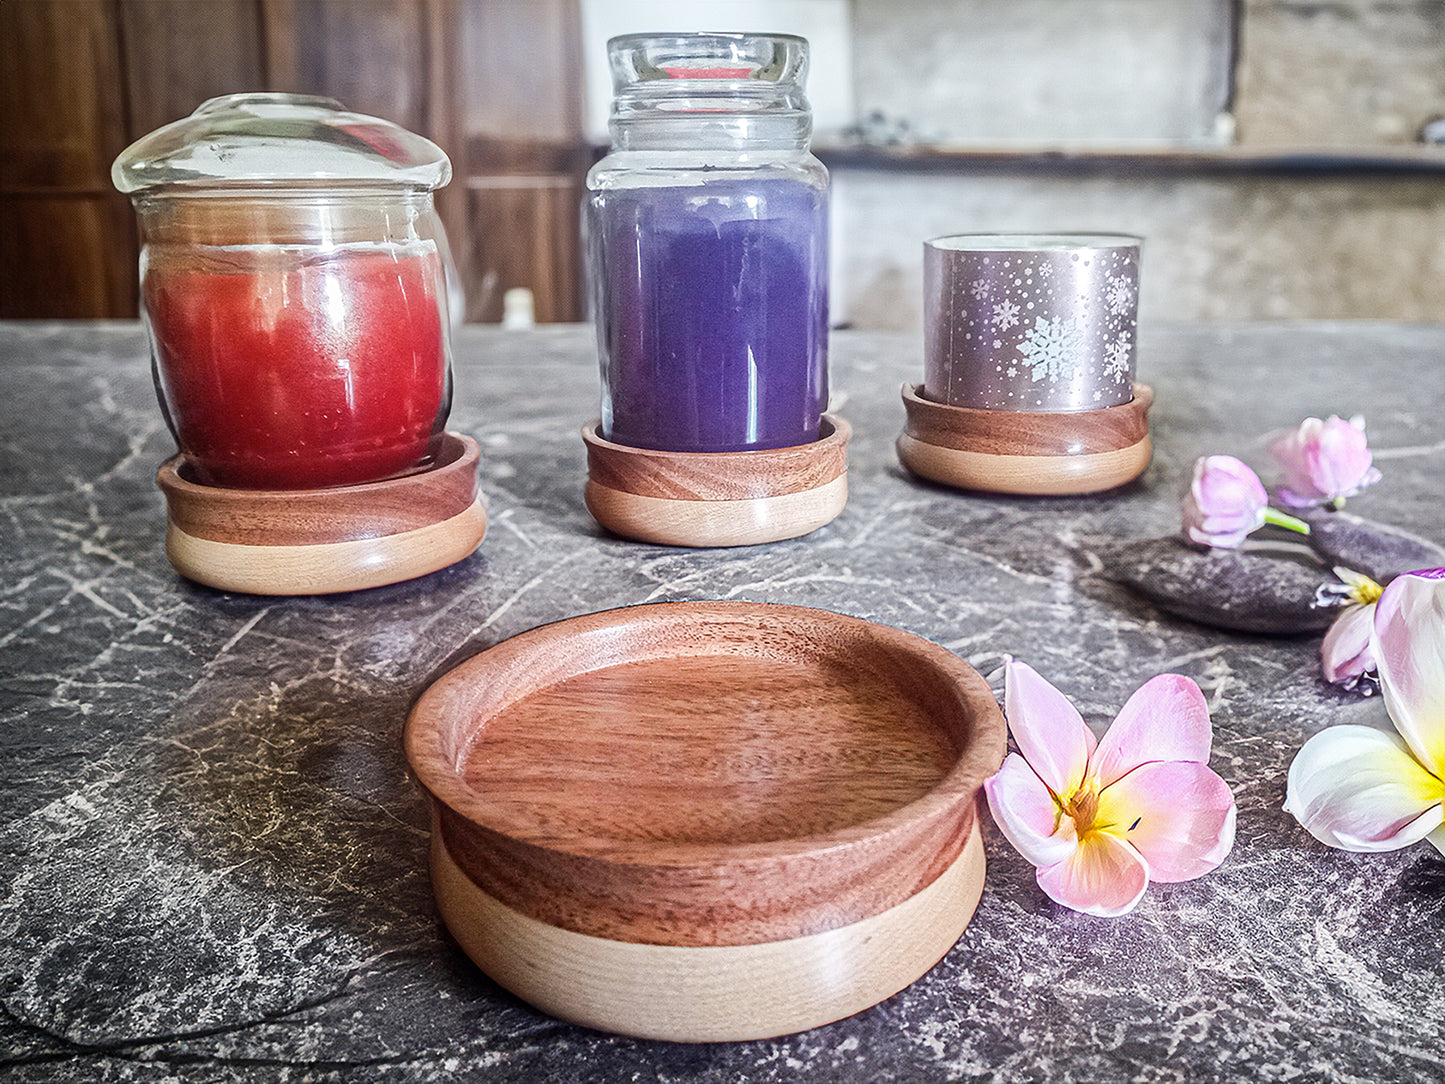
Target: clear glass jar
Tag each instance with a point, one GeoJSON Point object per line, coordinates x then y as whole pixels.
{"type": "Point", "coordinates": [294, 283]}
{"type": "Point", "coordinates": [708, 239]}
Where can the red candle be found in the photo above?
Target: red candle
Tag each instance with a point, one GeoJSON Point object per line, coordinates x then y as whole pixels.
{"type": "Point", "coordinates": [285, 367]}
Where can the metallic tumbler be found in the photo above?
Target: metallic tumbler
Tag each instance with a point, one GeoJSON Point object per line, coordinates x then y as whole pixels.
{"type": "Point", "coordinates": [1030, 322]}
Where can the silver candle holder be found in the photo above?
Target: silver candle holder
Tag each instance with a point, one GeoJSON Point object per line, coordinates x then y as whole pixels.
{"type": "Point", "coordinates": [1030, 343]}
{"type": "Point", "coordinates": [1033, 322]}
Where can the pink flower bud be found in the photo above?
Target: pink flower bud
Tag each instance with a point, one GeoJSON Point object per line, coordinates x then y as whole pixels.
{"type": "Point", "coordinates": [1225, 502]}
{"type": "Point", "coordinates": [1323, 462]}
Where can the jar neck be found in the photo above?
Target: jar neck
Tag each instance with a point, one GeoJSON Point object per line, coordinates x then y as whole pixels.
{"type": "Point", "coordinates": [739, 133]}
{"type": "Point", "coordinates": [710, 91]}
{"type": "Point", "coordinates": [290, 217]}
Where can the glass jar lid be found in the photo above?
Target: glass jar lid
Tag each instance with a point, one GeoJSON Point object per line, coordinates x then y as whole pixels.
{"type": "Point", "coordinates": [280, 140]}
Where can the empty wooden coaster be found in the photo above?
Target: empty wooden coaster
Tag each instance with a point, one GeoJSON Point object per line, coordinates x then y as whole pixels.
{"type": "Point", "coordinates": [1024, 452]}
{"type": "Point", "coordinates": [717, 498]}
{"type": "Point", "coordinates": [707, 821]}
{"type": "Point", "coordinates": [320, 541]}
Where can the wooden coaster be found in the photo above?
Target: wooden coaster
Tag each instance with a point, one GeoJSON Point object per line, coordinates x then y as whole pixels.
{"type": "Point", "coordinates": [320, 541]}
{"type": "Point", "coordinates": [707, 820]}
{"type": "Point", "coordinates": [717, 498]}
{"type": "Point", "coordinates": [1023, 452]}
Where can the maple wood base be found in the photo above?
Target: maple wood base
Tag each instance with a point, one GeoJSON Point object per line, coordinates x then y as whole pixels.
{"type": "Point", "coordinates": [717, 498]}
{"type": "Point", "coordinates": [710, 993]}
{"type": "Point", "coordinates": [1037, 454]}
{"type": "Point", "coordinates": [321, 541]}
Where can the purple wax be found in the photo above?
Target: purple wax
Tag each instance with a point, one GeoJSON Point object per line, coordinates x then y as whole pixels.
{"type": "Point", "coordinates": [712, 314]}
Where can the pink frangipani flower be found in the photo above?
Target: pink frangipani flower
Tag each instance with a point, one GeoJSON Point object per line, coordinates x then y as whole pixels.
{"type": "Point", "coordinates": [1323, 462]}
{"type": "Point", "coordinates": [1101, 820]}
{"type": "Point", "coordinates": [1363, 789]}
{"type": "Point", "coordinates": [1347, 654]}
{"type": "Point", "coordinates": [1227, 502]}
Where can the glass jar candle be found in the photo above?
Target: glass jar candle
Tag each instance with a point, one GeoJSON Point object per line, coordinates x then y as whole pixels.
{"type": "Point", "coordinates": [294, 283]}
{"type": "Point", "coordinates": [708, 239]}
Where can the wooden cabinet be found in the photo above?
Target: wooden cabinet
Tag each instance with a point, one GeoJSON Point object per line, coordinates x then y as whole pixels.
{"type": "Point", "coordinates": [496, 83]}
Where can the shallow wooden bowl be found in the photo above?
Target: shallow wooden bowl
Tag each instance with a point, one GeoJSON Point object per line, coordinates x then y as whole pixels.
{"type": "Point", "coordinates": [717, 498]}
{"type": "Point", "coordinates": [706, 821]}
{"type": "Point", "coordinates": [1026, 452]}
{"type": "Point", "coordinates": [318, 541]}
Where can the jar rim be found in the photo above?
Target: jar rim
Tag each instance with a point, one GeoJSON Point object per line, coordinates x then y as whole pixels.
{"type": "Point", "coordinates": [277, 139]}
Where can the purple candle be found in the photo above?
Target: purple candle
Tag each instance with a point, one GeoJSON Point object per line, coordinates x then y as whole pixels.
{"type": "Point", "coordinates": [712, 305]}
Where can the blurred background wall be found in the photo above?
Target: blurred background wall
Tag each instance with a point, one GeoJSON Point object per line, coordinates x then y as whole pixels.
{"type": "Point", "coordinates": [1273, 153]}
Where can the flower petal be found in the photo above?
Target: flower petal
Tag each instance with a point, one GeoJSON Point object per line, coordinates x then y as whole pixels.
{"type": "Point", "coordinates": [1359, 789]}
{"type": "Point", "coordinates": [1165, 719]}
{"type": "Point", "coordinates": [1102, 877]}
{"type": "Point", "coordinates": [1027, 813]}
{"type": "Point", "coordinates": [1049, 730]}
{"type": "Point", "coordinates": [1178, 815]}
{"type": "Point", "coordinates": [1323, 460]}
{"type": "Point", "coordinates": [1345, 654]}
{"type": "Point", "coordinates": [1409, 646]}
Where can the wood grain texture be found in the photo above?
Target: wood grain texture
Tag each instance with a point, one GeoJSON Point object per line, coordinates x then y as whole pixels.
{"type": "Point", "coordinates": [517, 98]}
{"type": "Point", "coordinates": [706, 773]}
{"type": "Point", "coordinates": [1028, 453]}
{"type": "Point", "coordinates": [1027, 433]}
{"type": "Point", "coordinates": [67, 238]}
{"type": "Point", "coordinates": [1025, 475]}
{"type": "Point", "coordinates": [719, 476]}
{"type": "Point", "coordinates": [369, 54]}
{"type": "Point", "coordinates": [309, 517]}
{"type": "Point", "coordinates": [711, 993]}
{"type": "Point", "coordinates": [717, 498]}
{"type": "Point", "coordinates": [327, 568]}
{"type": "Point", "coordinates": [697, 524]}
{"type": "Point", "coordinates": [178, 53]}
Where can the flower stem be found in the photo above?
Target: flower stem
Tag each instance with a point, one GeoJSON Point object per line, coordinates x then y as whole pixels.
{"type": "Point", "coordinates": [1283, 519]}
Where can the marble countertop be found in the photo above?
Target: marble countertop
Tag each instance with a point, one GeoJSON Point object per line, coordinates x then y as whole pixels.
{"type": "Point", "coordinates": [213, 864]}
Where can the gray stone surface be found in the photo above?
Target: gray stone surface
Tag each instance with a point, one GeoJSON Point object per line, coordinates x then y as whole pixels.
{"type": "Point", "coordinates": [212, 863]}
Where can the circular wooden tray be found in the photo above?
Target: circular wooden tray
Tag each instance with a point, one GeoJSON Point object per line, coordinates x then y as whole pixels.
{"type": "Point", "coordinates": [319, 541]}
{"type": "Point", "coordinates": [1036, 453]}
{"type": "Point", "coordinates": [707, 820]}
{"type": "Point", "coordinates": [717, 498]}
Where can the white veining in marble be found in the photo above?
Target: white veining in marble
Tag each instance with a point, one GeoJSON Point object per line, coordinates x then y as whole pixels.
{"type": "Point", "coordinates": [214, 862]}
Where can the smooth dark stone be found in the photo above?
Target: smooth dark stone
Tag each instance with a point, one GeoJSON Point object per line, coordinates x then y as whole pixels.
{"type": "Point", "coordinates": [1238, 590]}
{"type": "Point", "coordinates": [1379, 551]}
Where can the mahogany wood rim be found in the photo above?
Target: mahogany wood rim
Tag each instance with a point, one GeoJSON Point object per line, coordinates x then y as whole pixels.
{"type": "Point", "coordinates": [718, 476]}
{"type": "Point", "coordinates": [1031, 433]}
{"type": "Point", "coordinates": [661, 888]}
{"type": "Point", "coordinates": [302, 517]}
{"type": "Point", "coordinates": [712, 993]}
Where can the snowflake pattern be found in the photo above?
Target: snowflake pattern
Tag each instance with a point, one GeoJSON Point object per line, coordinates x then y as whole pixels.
{"type": "Point", "coordinates": [1005, 315]}
{"type": "Point", "coordinates": [1119, 295]}
{"type": "Point", "coordinates": [1054, 348]}
{"type": "Point", "coordinates": [1051, 329]}
{"type": "Point", "coordinates": [1116, 355]}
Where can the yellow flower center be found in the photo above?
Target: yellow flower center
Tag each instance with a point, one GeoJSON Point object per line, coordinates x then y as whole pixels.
{"type": "Point", "coordinates": [1083, 807]}
{"type": "Point", "coordinates": [1364, 591]}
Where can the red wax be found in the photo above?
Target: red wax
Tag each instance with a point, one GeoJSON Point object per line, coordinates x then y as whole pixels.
{"type": "Point", "coordinates": [283, 368]}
